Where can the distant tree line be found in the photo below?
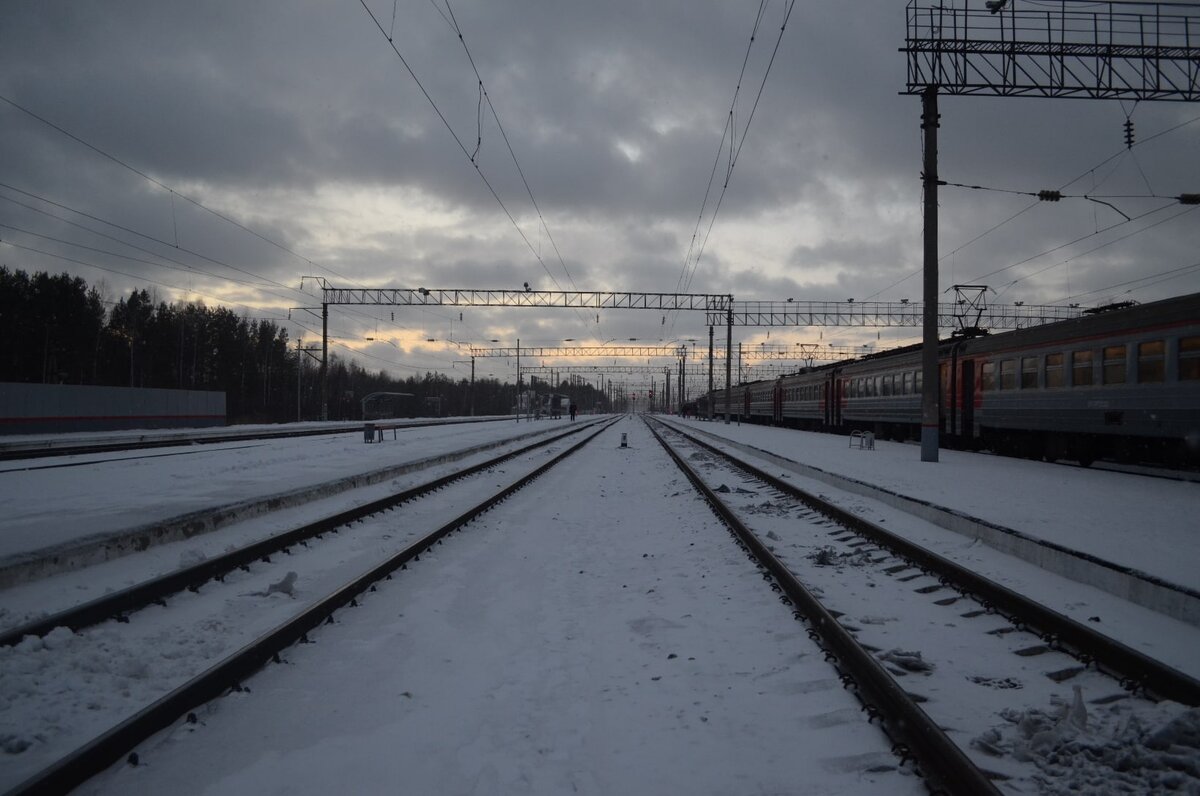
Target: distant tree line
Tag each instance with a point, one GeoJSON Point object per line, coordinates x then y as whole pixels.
{"type": "Point", "coordinates": [57, 330]}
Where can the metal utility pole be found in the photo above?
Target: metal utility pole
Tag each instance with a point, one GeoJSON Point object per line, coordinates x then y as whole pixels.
{"type": "Point", "coordinates": [324, 361]}
{"type": "Point", "coordinates": [930, 389]}
{"type": "Point", "coordinates": [518, 379]}
{"type": "Point", "coordinates": [1056, 48]}
{"type": "Point", "coordinates": [711, 408]}
{"type": "Point", "coordinates": [302, 349]}
{"type": "Point", "coordinates": [728, 358]}
{"type": "Point", "coordinates": [472, 386]}
{"type": "Point", "coordinates": [682, 363]}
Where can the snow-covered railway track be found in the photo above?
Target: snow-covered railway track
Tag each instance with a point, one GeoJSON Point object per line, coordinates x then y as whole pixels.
{"type": "Point", "coordinates": [117, 604]}
{"type": "Point", "coordinates": [989, 666]}
{"type": "Point", "coordinates": [223, 615]}
{"type": "Point", "coordinates": [596, 634]}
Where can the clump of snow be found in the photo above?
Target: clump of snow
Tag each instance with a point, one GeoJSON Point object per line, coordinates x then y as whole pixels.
{"type": "Point", "coordinates": [767, 507]}
{"type": "Point", "coordinates": [906, 661]}
{"type": "Point", "coordinates": [285, 585]}
{"type": "Point", "coordinates": [1105, 749]}
{"type": "Point", "coordinates": [829, 557]}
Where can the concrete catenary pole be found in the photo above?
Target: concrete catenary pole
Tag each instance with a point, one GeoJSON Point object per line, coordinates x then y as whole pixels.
{"type": "Point", "coordinates": [930, 387]}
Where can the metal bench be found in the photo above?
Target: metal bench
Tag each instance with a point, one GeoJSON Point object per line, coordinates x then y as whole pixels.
{"type": "Point", "coordinates": [865, 439]}
{"type": "Point", "coordinates": [373, 432]}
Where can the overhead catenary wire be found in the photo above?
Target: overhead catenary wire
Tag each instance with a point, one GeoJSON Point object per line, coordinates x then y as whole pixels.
{"type": "Point", "coordinates": [141, 278]}
{"type": "Point", "coordinates": [172, 191]}
{"type": "Point", "coordinates": [175, 265]}
{"type": "Point", "coordinates": [726, 133]}
{"type": "Point", "coordinates": [461, 145]}
{"type": "Point", "coordinates": [142, 235]}
{"type": "Point", "coordinates": [486, 97]}
{"type": "Point", "coordinates": [1089, 251]}
{"type": "Point", "coordinates": [730, 133]}
{"type": "Point", "coordinates": [1118, 154]}
{"type": "Point", "coordinates": [736, 153]}
{"type": "Point", "coordinates": [1150, 280]}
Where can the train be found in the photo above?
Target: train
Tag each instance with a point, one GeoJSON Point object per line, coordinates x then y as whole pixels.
{"type": "Point", "coordinates": [1120, 382]}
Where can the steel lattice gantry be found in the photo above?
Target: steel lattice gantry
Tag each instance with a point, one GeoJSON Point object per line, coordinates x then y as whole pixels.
{"type": "Point", "coordinates": [1058, 48]}
{"type": "Point", "coordinates": [717, 307]}
{"type": "Point", "coordinates": [801, 352]}
{"type": "Point", "coordinates": [580, 351]}
{"type": "Point", "coordinates": [581, 299]}
{"type": "Point", "coordinates": [1053, 48]}
{"type": "Point", "coordinates": [889, 314]}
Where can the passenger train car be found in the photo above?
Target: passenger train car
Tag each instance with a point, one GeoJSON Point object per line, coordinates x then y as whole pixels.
{"type": "Point", "coordinates": [1119, 383]}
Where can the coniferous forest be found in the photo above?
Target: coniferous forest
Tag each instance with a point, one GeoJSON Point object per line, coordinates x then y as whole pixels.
{"type": "Point", "coordinates": [59, 330]}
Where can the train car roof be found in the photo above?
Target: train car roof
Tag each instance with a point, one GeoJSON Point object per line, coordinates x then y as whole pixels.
{"type": "Point", "coordinates": [1099, 321]}
{"type": "Point", "coordinates": [1151, 315]}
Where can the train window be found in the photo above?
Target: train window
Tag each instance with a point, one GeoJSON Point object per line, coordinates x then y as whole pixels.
{"type": "Point", "coordinates": [1008, 374]}
{"type": "Point", "coordinates": [918, 380]}
{"type": "Point", "coordinates": [1151, 362]}
{"type": "Point", "coordinates": [1114, 364]}
{"type": "Point", "coordinates": [1029, 372]}
{"type": "Point", "coordinates": [987, 376]}
{"type": "Point", "coordinates": [907, 383]}
{"type": "Point", "coordinates": [886, 385]}
{"type": "Point", "coordinates": [1054, 371]}
{"type": "Point", "coordinates": [1189, 358]}
{"type": "Point", "coordinates": [1081, 368]}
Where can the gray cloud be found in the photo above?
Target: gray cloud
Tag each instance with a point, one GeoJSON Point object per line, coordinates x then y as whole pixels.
{"type": "Point", "coordinates": [299, 121]}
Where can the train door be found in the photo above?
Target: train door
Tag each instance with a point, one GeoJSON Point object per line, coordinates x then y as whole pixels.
{"type": "Point", "coordinates": [827, 403]}
{"type": "Point", "coordinates": [967, 399]}
{"type": "Point", "coordinates": [831, 400]}
{"type": "Point", "coordinates": [943, 395]}
{"type": "Point", "coordinates": [777, 402]}
{"type": "Point", "coordinates": [838, 397]}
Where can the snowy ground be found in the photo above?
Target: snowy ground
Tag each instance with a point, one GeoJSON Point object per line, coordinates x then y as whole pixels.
{"type": "Point", "coordinates": [1090, 510]}
{"type": "Point", "coordinates": [55, 504]}
{"type": "Point", "coordinates": [579, 638]}
{"type": "Point", "coordinates": [462, 676]}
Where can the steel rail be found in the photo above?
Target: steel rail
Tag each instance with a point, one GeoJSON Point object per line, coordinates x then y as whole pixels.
{"type": "Point", "coordinates": [107, 748]}
{"type": "Point", "coordinates": [140, 595]}
{"type": "Point", "coordinates": [1135, 670]}
{"type": "Point", "coordinates": [941, 760]}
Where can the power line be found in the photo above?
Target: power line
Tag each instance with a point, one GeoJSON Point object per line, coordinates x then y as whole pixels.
{"type": "Point", "coordinates": [1119, 153]}
{"type": "Point", "coordinates": [1096, 248]}
{"type": "Point", "coordinates": [168, 188]}
{"type": "Point", "coordinates": [484, 95]}
{"type": "Point", "coordinates": [735, 154]}
{"type": "Point", "coordinates": [1085, 237]}
{"type": "Point", "coordinates": [142, 235]}
{"type": "Point", "coordinates": [172, 193]}
{"type": "Point", "coordinates": [461, 146]}
{"type": "Point", "coordinates": [1162, 276]}
{"type": "Point", "coordinates": [132, 276]}
{"type": "Point", "coordinates": [721, 146]}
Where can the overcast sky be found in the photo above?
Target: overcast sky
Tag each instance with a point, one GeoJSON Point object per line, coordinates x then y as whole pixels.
{"type": "Point", "coordinates": [298, 121]}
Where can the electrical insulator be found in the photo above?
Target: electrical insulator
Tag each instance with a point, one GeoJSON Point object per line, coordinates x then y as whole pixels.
{"type": "Point", "coordinates": [1129, 133]}
{"type": "Point", "coordinates": [1049, 196]}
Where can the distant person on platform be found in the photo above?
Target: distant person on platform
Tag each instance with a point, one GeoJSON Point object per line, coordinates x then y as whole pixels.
{"type": "Point", "coordinates": [573, 409]}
